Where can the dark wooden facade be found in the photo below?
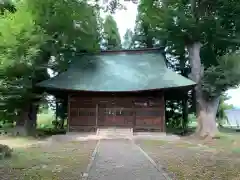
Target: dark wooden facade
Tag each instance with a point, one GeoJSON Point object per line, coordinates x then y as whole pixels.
{"type": "Point", "coordinates": [140, 111]}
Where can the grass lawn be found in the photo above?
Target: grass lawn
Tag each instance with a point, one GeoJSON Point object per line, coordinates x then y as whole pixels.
{"type": "Point", "coordinates": [191, 159]}
{"type": "Point", "coordinates": [55, 161]}
{"type": "Point", "coordinates": [45, 120]}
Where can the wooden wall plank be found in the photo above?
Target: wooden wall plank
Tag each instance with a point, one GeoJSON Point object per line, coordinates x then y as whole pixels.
{"type": "Point", "coordinates": [140, 109]}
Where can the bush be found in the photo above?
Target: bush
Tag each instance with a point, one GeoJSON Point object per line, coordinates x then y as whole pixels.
{"type": "Point", "coordinates": [6, 124]}
{"type": "Point", "coordinates": [50, 132]}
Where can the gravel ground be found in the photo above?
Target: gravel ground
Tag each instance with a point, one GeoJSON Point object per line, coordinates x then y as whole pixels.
{"type": "Point", "coordinates": [121, 159]}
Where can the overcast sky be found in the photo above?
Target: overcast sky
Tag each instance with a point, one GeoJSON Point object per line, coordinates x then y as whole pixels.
{"type": "Point", "coordinates": [235, 97]}
{"type": "Point", "coordinates": [126, 19]}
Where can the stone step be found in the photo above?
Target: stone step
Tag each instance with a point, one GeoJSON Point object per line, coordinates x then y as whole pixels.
{"type": "Point", "coordinates": [117, 132]}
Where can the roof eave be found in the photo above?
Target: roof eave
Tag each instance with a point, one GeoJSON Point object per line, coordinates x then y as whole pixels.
{"type": "Point", "coordinates": [54, 89]}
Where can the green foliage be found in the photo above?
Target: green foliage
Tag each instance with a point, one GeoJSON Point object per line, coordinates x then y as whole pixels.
{"type": "Point", "coordinates": [6, 124]}
{"type": "Point", "coordinates": [221, 115]}
{"type": "Point", "coordinates": [112, 5]}
{"type": "Point", "coordinates": [174, 123]}
{"type": "Point", "coordinates": [144, 32]}
{"type": "Point", "coordinates": [225, 75]}
{"type": "Point", "coordinates": [111, 36]}
{"type": "Point", "coordinates": [44, 120]}
{"type": "Point", "coordinates": [213, 23]}
{"type": "Point", "coordinates": [192, 120]}
{"type": "Point", "coordinates": [38, 35]}
{"type": "Point", "coordinates": [20, 38]}
{"type": "Point", "coordinates": [6, 5]}
{"type": "Point", "coordinates": [20, 43]}
{"type": "Point", "coordinates": [69, 28]}
{"type": "Point", "coordinates": [47, 125]}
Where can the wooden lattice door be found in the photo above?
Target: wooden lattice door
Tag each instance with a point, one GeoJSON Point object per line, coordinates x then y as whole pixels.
{"type": "Point", "coordinates": [117, 115]}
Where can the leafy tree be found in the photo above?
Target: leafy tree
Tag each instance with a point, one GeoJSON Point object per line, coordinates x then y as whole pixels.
{"type": "Point", "coordinates": [223, 106]}
{"type": "Point", "coordinates": [111, 37]}
{"type": "Point", "coordinates": [113, 5]}
{"type": "Point", "coordinates": [208, 31]}
{"type": "Point", "coordinates": [143, 32]}
{"type": "Point", "coordinates": [6, 5]}
{"type": "Point", "coordinates": [40, 35]}
{"type": "Point", "coordinates": [20, 43]}
{"type": "Point", "coordinates": [128, 38]}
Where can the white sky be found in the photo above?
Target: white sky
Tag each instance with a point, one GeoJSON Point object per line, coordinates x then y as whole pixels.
{"type": "Point", "coordinates": [126, 19]}
{"type": "Point", "coordinates": [235, 97]}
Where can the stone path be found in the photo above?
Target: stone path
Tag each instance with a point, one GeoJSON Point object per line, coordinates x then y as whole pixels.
{"type": "Point", "coordinates": [122, 160]}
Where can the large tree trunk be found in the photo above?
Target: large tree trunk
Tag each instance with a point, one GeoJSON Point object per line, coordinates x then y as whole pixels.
{"type": "Point", "coordinates": [206, 109]}
{"type": "Point", "coordinates": [207, 126]}
{"type": "Point", "coordinates": [21, 116]}
{"type": "Point", "coordinates": [31, 121]}
{"type": "Point", "coordinates": [20, 130]}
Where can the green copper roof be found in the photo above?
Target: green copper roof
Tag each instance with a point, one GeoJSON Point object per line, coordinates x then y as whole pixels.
{"type": "Point", "coordinates": [118, 72]}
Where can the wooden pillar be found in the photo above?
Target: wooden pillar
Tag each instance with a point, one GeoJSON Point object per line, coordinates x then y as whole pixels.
{"type": "Point", "coordinates": [69, 113]}
{"type": "Point", "coordinates": [163, 116]}
{"type": "Point", "coordinates": [56, 110]}
{"type": "Point", "coordinates": [134, 115]}
{"type": "Point", "coordinates": [96, 125]}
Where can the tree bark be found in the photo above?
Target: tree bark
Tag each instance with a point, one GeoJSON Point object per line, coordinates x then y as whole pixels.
{"type": "Point", "coordinates": [206, 109]}
{"type": "Point", "coordinates": [20, 130]}
{"type": "Point", "coordinates": [31, 121]}
{"type": "Point", "coordinates": [185, 113]}
{"type": "Point", "coordinates": [207, 126]}
{"type": "Point", "coordinates": [20, 119]}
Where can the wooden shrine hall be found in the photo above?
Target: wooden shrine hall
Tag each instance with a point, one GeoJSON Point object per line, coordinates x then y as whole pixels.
{"type": "Point", "coordinates": [125, 88]}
